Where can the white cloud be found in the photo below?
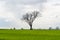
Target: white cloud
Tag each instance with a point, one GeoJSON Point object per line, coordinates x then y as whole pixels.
{"type": "Point", "coordinates": [50, 16]}
{"type": "Point", "coordinates": [12, 10]}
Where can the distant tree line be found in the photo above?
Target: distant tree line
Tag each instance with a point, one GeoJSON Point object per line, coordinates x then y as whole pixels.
{"type": "Point", "coordinates": [50, 28]}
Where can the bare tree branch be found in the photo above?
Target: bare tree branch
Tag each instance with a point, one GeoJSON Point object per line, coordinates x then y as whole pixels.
{"type": "Point", "coordinates": [29, 18]}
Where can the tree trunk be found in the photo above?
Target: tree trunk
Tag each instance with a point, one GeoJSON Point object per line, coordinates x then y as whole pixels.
{"type": "Point", "coordinates": [30, 26]}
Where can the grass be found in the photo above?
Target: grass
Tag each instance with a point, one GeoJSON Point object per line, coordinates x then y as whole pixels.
{"type": "Point", "coordinates": [29, 34]}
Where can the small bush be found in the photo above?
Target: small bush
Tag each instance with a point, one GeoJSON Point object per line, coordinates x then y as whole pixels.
{"type": "Point", "coordinates": [50, 28]}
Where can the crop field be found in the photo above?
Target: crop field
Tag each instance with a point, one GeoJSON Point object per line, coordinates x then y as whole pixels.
{"type": "Point", "coordinates": [29, 34]}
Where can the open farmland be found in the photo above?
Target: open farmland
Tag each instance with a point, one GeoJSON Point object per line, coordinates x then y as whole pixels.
{"type": "Point", "coordinates": [29, 34]}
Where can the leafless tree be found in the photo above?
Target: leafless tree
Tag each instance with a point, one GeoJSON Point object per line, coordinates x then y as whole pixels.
{"type": "Point", "coordinates": [30, 17]}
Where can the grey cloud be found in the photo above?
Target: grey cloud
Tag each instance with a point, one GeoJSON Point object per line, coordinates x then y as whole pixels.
{"type": "Point", "coordinates": [26, 1]}
{"type": "Point", "coordinates": [18, 6]}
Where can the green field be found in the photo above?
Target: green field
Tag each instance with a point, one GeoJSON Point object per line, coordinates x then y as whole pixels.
{"type": "Point", "coordinates": [29, 34]}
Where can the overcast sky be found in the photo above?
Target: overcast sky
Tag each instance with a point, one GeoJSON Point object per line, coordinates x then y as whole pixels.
{"type": "Point", "coordinates": [11, 12]}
